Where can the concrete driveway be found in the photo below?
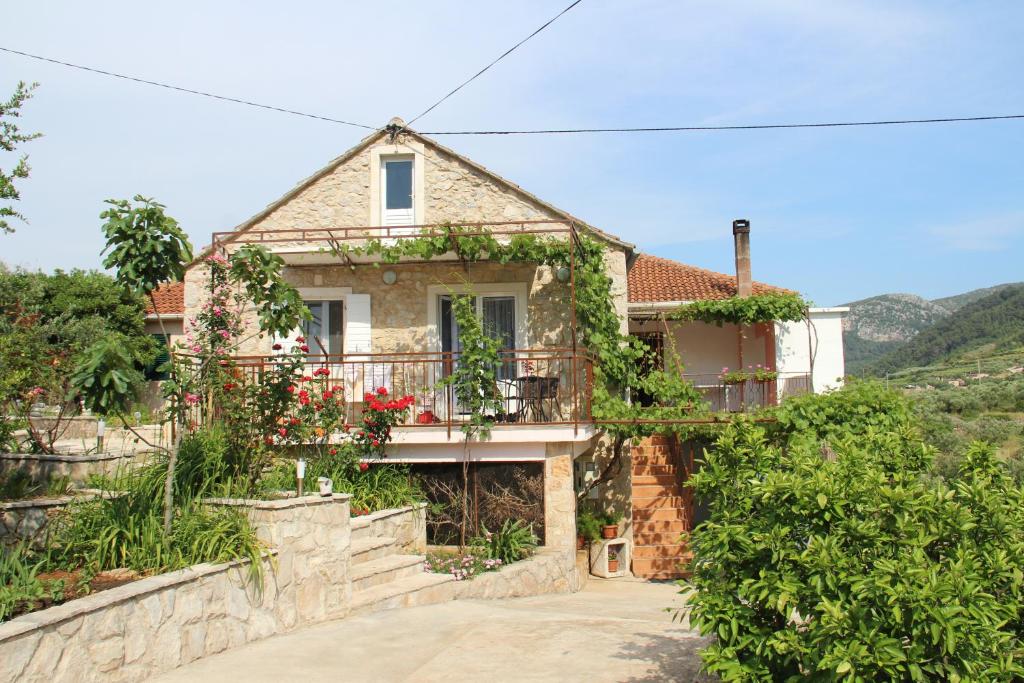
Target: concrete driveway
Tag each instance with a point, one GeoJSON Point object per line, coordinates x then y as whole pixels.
{"type": "Point", "coordinates": [613, 630]}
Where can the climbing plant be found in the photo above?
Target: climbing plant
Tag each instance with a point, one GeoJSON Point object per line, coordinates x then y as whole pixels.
{"type": "Point", "coordinates": [759, 308]}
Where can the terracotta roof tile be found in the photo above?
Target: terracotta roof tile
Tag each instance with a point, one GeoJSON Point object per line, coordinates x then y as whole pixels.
{"type": "Point", "coordinates": [653, 279]}
{"type": "Point", "coordinates": [170, 299]}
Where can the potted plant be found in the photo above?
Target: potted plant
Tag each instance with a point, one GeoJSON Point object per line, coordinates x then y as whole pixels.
{"type": "Point", "coordinates": [765, 374]}
{"type": "Point", "coordinates": [613, 561]}
{"type": "Point", "coordinates": [734, 376]}
{"type": "Point", "coordinates": [588, 528]}
{"type": "Point", "coordinates": [610, 525]}
{"type": "Point", "coordinates": [426, 413]}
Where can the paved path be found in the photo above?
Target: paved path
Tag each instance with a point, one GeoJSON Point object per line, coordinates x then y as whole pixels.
{"type": "Point", "coordinates": [612, 631]}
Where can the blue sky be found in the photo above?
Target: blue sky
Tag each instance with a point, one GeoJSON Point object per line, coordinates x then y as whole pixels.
{"type": "Point", "coordinates": [839, 214]}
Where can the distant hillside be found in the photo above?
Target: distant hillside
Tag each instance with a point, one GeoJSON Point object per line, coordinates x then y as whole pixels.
{"type": "Point", "coordinates": [994, 323]}
{"type": "Point", "coordinates": [958, 301]}
{"type": "Point", "coordinates": [878, 325]}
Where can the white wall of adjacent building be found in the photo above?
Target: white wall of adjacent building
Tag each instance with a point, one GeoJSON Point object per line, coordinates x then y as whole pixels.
{"type": "Point", "coordinates": [796, 343]}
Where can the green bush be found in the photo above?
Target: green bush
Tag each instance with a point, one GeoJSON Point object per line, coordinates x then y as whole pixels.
{"type": "Point", "coordinates": [19, 588]}
{"type": "Point", "coordinates": [513, 541]}
{"type": "Point", "coordinates": [846, 563]}
{"type": "Point", "coordinates": [588, 525]}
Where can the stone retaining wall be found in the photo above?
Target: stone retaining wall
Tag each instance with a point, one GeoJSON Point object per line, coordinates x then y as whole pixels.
{"type": "Point", "coordinates": [549, 571]}
{"type": "Point", "coordinates": [135, 631]}
{"type": "Point", "coordinates": [26, 520]}
{"type": "Point", "coordinates": [408, 525]}
{"type": "Point", "coordinates": [76, 468]}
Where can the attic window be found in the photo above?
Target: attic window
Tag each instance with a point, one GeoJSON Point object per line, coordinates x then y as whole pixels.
{"type": "Point", "coordinates": [396, 179]}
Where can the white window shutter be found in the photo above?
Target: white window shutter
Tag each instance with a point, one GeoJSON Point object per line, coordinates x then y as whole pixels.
{"type": "Point", "coordinates": [357, 324]}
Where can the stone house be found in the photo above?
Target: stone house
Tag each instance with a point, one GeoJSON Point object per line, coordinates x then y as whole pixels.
{"type": "Point", "coordinates": [391, 325]}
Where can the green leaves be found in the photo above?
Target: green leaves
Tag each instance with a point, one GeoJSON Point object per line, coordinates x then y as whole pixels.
{"type": "Point", "coordinates": [850, 562]}
{"type": "Point", "coordinates": [261, 273]}
{"type": "Point", "coordinates": [106, 377]}
{"type": "Point", "coordinates": [146, 247]}
{"type": "Point", "coordinates": [10, 137]}
{"type": "Point", "coordinates": [759, 308]}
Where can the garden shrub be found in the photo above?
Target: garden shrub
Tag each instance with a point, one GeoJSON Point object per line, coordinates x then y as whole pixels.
{"type": "Point", "coordinates": [513, 541]}
{"type": "Point", "coordinates": [843, 562]}
{"type": "Point", "coordinates": [20, 589]}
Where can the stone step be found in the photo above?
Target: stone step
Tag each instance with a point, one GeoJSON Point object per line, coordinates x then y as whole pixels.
{"type": "Point", "coordinates": [373, 548]}
{"type": "Point", "coordinates": [641, 470]}
{"type": "Point", "coordinates": [676, 551]}
{"type": "Point", "coordinates": [422, 589]}
{"type": "Point", "coordinates": [385, 570]}
{"type": "Point", "coordinates": [672, 526]}
{"type": "Point", "coordinates": [654, 491]}
{"type": "Point", "coordinates": [664, 458]}
{"type": "Point", "coordinates": [658, 515]}
{"type": "Point", "coordinates": [657, 568]}
{"type": "Point", "coordinates": [656, 502]}
{"type": "Point", "coordinates": [654, 538]}
{"type": "Point", "coordinates": [654, 480]}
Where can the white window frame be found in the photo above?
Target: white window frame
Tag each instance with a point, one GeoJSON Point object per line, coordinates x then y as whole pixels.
{"type": "Point", "coordinates": [324, 294]}
{"type": "Point", "coordinates": [518, 290]}
{"type": "Point", "coordinates": [378, 196]}
{"type": "Point", "coordinates": [396, 217]}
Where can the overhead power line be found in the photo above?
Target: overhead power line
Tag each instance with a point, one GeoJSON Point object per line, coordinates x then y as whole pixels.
{"type": "Point", "coordinates": [506, 53]}
{"type": "Point", "coordinates": [187, 90]}
{"type": "Point", "coordinates": [541, 131]}
{"type": "Point", "coordinates": [759, 126]}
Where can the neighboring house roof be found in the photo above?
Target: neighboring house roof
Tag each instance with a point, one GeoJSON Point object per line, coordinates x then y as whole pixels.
{"type": "Point", "coordinates": [170, 300]}
{"type": "Point", "coordinates": [653, 279]}
{"type": "Point", "coordinates": [398, 124]}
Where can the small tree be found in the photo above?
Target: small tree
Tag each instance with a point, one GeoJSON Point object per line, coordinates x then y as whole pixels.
{"type": "Point", "coordinates": [147, 248]}
{"type": "Point", "coordinates": [10, 137]}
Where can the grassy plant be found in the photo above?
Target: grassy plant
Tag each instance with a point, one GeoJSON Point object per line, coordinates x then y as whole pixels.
{"type": "Point", "coordinates": [513, 541]}
{"type": "Point", "coordinates": [19, 484]}
{"type": "Point", "coordinates": [20, 588]}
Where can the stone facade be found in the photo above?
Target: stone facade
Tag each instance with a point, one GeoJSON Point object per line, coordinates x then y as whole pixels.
{"type": "Point", "coordinates": [75, 468]}
{"type": "Point", "coordinates": [549, 571]}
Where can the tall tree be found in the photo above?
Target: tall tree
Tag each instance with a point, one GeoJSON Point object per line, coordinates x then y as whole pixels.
{"type": "Point", "coordinates": [10, 137]}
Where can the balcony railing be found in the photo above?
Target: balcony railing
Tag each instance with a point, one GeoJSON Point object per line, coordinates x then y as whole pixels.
{"type": "Point", "coordinates": [533, 387]}
{"type": "Point", "coordinates": [749, 395]}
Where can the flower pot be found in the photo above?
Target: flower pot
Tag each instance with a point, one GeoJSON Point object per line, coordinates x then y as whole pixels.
{"type": "Point", "coordinates": [613, 566]}
{"type": "Point", "coordinates": [610, 531]}
{"type": "Point", "coordinates": [581, 542]}
{"type": "Point", "coordinates": [426, 418]}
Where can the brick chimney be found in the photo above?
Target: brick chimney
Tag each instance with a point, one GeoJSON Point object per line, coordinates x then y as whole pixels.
{"type": "Point", "coordinates": [741, 239]}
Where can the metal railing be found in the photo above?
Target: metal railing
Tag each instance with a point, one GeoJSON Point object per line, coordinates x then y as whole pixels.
{"type": "Point", "coordinates": [337, 238]}
{"type": "Point", "coordinates": [751, 394]}
{"type": "Point", "coordinates": [551, 386]}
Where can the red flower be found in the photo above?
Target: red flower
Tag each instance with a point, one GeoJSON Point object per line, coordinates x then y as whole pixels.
{"type": "Point", "coordinates": [382, 391]}
{"type": "Point", "coordinates": [306, 378]}
{"type": "Point", "coordinates": [295, 421]}
{"type": "Point", "coordinates": [367, 397]}
{"type": "Point", "coordinates": [335, 388]}
{"type": "Point", "coordinates": [276, 347]}
{"type": "Point", "coordinates": [303, 394]}
{"type": "Point", "coordinates": [376, 442]}
{"type": "Point", "coordinates": [300, 339]}
{"type": "Point", "coordinates": [228, 386]}
{"type": "Point", "coordinates": [305, 349]}
{"type": "Point", "coordinates": [363, 466]}
{"type": "Point", "coordinates": [283, 432]}
{"type": "Point", "coordinates": [333, 451]}
{"type": "Point", "coordinates": [328, 395]}
{"type": "Point", "coordinates": [269, 441]}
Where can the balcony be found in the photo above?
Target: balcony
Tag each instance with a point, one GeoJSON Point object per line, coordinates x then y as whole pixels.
{"type": "Point", "coordinates": [534, 387]}
{"type": "Point", "coordinates": [750, 395]}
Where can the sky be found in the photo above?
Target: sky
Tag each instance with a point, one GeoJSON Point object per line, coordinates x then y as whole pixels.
{"type": "Point", "coordinates": [838, 213]}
